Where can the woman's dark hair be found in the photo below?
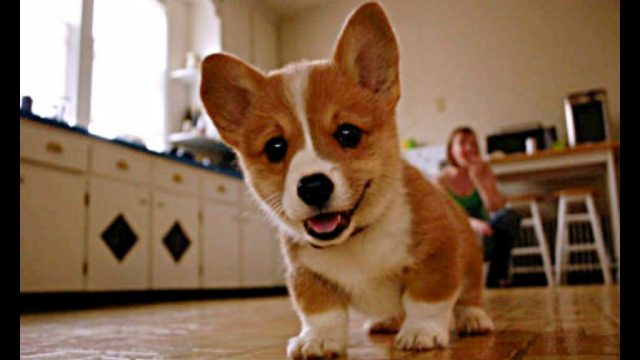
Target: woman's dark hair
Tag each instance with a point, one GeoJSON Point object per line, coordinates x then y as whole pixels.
{"type": "Point", "coordinates": [464, 130]}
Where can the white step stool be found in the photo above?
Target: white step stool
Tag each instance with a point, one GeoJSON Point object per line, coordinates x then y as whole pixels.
{"type": "Point", "coordinates": [530, 202]}
{"type": "Point", "coordinates": [563, 247]}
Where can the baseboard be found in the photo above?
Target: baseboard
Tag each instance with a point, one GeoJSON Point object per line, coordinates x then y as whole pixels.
{"type": "Point", "coordinates": [62, 301]}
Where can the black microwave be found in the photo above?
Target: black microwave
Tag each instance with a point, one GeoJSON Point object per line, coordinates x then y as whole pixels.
{"type": "Point", "coordinates": [515, 141]}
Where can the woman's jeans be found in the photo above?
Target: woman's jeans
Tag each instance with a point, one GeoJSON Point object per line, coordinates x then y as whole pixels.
{"type": "Point", "coordinates": [497, 248]}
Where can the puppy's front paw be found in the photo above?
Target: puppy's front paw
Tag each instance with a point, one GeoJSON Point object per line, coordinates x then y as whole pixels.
{"type": "Point", "coordinates": [473, 320]}
{"type": "Point", "coordinates": [313, 347]}
{"type": "Point", "coordinates": [425, 337]}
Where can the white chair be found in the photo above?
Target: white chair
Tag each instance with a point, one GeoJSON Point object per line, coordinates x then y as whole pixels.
{"type": "Point", "coordinates": [563, 245]}
{"type": "Point", "coordinates": [541, 248]}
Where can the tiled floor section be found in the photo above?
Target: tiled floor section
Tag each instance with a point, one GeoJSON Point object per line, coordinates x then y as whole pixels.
{"type": "Point", "coordinates": [531, 323]}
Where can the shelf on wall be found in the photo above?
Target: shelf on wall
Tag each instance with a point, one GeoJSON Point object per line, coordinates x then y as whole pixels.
{"type": "Point", "coordinates": [188, 75]}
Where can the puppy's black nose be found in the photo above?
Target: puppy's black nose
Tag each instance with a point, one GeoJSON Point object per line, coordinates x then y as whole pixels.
{"type": "Point", "coordinates": [315, 190]}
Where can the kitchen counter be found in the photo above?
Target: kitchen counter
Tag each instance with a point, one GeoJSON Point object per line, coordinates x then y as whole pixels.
{"type": "Point", "coordinates": [598, 158]}
{"type": "Point", "coordinates": [80, 130]}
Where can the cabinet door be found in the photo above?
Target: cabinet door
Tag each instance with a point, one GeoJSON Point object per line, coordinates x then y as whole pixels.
{"type": "Point", "coordinates": [220, 246]}
{"type": "Point", "coordinates": [118, 244]}
{"type": "Point", "coordinates": [175, 244]}
{"type": "Point", "coordinates": [52, 223]}
{"type": "Point", "coordinates": [280, 267]}
{"type": "Point", "coordinates": [259, 251]}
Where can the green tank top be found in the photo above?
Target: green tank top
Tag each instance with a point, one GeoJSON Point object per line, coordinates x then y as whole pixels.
{"type": "Point", "coordinates": [472, 204]}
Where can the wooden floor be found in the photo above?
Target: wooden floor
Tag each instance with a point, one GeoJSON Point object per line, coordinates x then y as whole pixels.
{"type": "Point", "coordinates": [571, 322]}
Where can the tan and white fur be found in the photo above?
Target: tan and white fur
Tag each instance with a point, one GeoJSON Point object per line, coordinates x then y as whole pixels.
{"type": "Point", "coordinates": [401, 252]}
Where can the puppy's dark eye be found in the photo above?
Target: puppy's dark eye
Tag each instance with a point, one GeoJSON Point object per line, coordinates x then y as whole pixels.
{"type": "Point", "coordinates": [276, 149]}
{"type": "Point", "coordinates": [348, 135]}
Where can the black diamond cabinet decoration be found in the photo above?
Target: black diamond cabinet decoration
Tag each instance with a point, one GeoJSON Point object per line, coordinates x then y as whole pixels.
{"type": "Point", "coordinates": [119, 237]}
{"type": "Point", "coordinates": [176, 242]}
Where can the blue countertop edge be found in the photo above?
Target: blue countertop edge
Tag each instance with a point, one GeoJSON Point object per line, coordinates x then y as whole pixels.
{"type": "Point", "coordinates": [85, 132]}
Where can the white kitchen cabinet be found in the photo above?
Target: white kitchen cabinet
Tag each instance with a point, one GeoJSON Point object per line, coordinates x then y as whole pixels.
{"type": "Point", "coordinates": [43, 144]}
{"type": "Point", "coordinates": [220, 245]}
{"type": "Point", "coordinates": [261, 263]}
{"type": "Point", "coordinates": [175, 241]}
{"type": "Point", "coordinates": [118, 162]}
{"type": "Point", "coordinates": [176, 178]}
{"type": "Point", "coordinates": [280, 268]}
{"type": "Point", "coordinates": [118, 236]}
{"type": "Point", "coordinates": [52, 225]}
{"type": "Point", "coordinates": [259, 250]}
{"type": "Point", "coordinates": [99, 216]}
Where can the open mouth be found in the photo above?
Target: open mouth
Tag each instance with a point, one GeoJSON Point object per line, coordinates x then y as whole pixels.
{"type": "Point", "coordinates": [328, 226]}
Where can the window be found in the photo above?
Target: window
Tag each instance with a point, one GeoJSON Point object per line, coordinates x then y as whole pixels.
{"type": "Point", "coordinates": [49, 47]}
{"type": "Point", "coordinates": [128, 71]}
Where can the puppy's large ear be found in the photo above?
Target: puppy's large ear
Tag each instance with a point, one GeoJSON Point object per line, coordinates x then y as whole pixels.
{"type": "Point", "coordinates": [227, 89]}
{"type": "Point", "coordinates": [367, 50]}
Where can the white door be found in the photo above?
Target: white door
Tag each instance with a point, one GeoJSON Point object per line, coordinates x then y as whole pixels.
{"type": "Point", "coordinates": [118, 245]}
{"type": "Point", "coordinates": [52, 223]}
{"type": "Point", "coordinates": [220, 246]}
{"type": "Point", "coordinates": [259, 251]}
{"type": "Point", "coordinates": [175, 244]}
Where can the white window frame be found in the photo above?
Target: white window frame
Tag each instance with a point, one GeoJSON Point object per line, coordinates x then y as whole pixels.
{"type": "Point", "coordinates": [82, 100]}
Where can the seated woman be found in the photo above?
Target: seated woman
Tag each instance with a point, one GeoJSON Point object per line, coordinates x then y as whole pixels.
{"type": "Point", "coordinates": [471, 183]}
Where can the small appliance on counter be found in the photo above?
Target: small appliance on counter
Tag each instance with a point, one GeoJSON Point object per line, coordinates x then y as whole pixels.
{"type": "Point", "coordinates": [181, 153]}
{"type": "Point", "coordinates": [26, 104]}
{"type": "Point", "coordinates": [587, 116]}
{"type": "Point", "coordinates": [514, 141]}
{"type": "Point", "coordinates": [204, 149]}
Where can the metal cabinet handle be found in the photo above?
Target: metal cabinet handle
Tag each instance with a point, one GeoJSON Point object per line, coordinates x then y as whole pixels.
{"type": "Point", "coordinates": [122, 165]}
{"type": "Point", "coordinates": [177, 178]}
{"type": "Point", "coordinates": [21, 179]}
{"type": "Point", "coordinates": [54, 147]}
{"type": "Point", "coordinates": [160, 204]}
{"type": "Point", "coordinates": [222, 189]}
{"type": "Point", "coordinates": [143, 201]}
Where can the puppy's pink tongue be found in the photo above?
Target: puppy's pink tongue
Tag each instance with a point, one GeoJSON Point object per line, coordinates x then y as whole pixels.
{"type": "Point", "coordinates": [324, 224]}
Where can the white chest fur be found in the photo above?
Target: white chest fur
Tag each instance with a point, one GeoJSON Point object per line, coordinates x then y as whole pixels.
{"type": "Point", "coordinates": [368, 266]}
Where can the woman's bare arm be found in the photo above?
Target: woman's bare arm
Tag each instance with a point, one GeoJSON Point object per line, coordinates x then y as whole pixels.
{"type": "Point", "coordinates": [487, 184]}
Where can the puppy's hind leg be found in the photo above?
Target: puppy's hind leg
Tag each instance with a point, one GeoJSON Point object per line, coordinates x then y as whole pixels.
{"type": "Point", "coordinates": [470, 317]}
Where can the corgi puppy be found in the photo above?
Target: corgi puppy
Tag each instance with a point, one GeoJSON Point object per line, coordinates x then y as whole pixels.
{"type": "Point", "coordinates": [360, 227]}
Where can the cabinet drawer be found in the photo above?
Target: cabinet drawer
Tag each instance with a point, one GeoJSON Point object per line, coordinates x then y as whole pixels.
{"type": "Point", "coordinates": [54, 146]}
{"type": "Point", "coordinates": [220, 187]}
{"type": "Point", "coordinates": [119, 162]}
{"type": "Point", "coordinates": [176, 177]}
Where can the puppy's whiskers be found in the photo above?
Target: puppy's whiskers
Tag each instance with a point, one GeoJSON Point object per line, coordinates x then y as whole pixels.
{"type": "Point", "coordinates": [274, 201]}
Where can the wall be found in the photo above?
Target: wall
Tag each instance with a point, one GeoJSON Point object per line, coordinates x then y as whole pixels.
{"type": "Point", "coordinates": [245, 28]}
{"type": "Point", "coordinates": [249, 31]}
{"type": "Point", "coordinates": [206, 28]}
{"type": "Point", "coordinates": [489, 64]}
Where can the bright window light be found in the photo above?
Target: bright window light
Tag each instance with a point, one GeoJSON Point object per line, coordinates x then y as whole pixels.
{"type": "Point", "coordinates": [49, 46]}
{"type": "Point", "coordinates": [129, 69]}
